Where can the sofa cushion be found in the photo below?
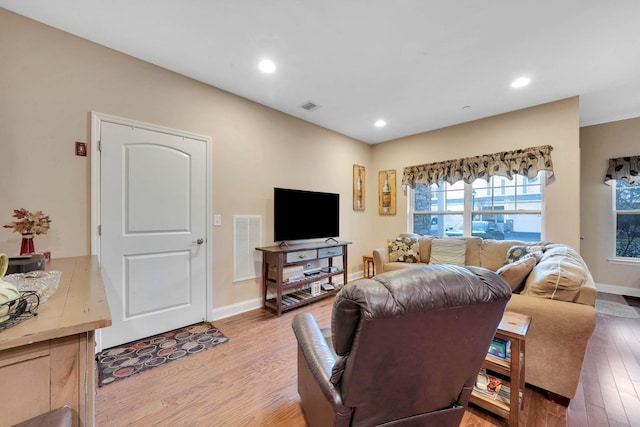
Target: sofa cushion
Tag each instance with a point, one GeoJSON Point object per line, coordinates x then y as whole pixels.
{"type": "Point", "coordinates": [493, 252]}
{"type": "Point", "coordinates": [559, 275]}
{"type": "Point", "coordinates": [518, 252]}
{"type": "Point", "coordinates": [516, 272]}
{"type": "Point", "coordinates": [425, 248]}
{"type": "Point", "coordinates": [474, 246]}
{"type": "Point", "coordinates": [448, 251]}
{"type": "Point", "coordinates": [404, 249]}
{"type": "Point", "coordinates": [391, 266]}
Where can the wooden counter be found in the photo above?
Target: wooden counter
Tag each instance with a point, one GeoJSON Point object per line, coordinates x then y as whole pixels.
{"type": "Point", "coordinates": [49, 361]}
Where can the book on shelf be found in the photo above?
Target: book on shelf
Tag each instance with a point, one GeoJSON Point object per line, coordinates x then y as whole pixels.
{"type": "Point", "coordinates": [500, 348]}
{"type": "Point", "coordinates": [493, 387]}
{"type": "Point", "coordinates": [288, 300]}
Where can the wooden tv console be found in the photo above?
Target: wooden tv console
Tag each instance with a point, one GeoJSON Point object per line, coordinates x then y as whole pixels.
{"type": "Point", "coordinates": [285, 276]}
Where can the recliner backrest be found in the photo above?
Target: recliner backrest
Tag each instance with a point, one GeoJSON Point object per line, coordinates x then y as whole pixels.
{"type": "Point", "coordinates": [410, 341]}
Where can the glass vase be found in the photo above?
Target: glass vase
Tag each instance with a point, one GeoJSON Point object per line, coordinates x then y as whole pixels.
{"type": "Point", "coordinates": [27, 247]}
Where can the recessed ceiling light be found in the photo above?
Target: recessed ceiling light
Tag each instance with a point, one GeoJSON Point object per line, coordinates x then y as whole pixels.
{"type": "Point", "coordinates": [521, 82]}
{"type": "Point", "coordinates": [267, 66]}
{"type": "Point", "coordinates": [380, 123]}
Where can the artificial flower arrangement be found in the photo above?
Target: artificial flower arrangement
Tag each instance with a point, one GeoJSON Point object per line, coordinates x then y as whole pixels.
{"type": "Point", "coordinates": [29, 222]}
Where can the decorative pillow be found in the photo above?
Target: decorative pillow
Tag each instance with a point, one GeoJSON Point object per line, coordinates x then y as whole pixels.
{"type": "Point", "coordinates": [516, 272]}
{"type": "Point", "coordinates": [559, 275]}
{"type": "Point", "coordinates": [516, 253]}
{"type": "Point", "coordinates": [404, 249]}
{"type": "Point", "coordinates": [448, 251]}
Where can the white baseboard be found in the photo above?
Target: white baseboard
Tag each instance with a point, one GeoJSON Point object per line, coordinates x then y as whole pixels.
{"type": "Point", "coordinates": [233, 309]}
{"type": "Point", "coordinates": [618, 290]}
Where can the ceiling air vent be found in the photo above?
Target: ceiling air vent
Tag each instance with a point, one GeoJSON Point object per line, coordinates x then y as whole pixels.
{"type": "Point", "coordinates": [310, 106]}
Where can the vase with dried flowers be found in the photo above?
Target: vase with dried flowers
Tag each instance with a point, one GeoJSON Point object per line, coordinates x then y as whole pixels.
{"type": "Point", "coordinates": [29, 224]}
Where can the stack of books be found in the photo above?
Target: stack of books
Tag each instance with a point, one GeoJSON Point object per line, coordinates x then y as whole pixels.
{"type": "Point", "coordinates": [493, 387]}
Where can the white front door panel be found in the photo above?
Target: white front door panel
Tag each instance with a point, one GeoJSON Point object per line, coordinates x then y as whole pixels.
{"type": "Point", "coordinates": [153, 213]}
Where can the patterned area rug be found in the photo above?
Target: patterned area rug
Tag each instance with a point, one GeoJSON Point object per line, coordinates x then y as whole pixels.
{"type": "Point", "coordinates": [616, 309]}
{"type": "Point", "coordinates": [125, 360]}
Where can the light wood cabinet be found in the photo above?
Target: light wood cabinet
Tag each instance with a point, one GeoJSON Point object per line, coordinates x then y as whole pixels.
{"type": "Point", "coordinates": [48, 361]}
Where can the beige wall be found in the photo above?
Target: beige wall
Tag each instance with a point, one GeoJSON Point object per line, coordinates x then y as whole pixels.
{"type": "Point", "coordinates": [600, 143]}
{"type": "Point", "coordinates": [554, 124]}
{"type": "Point", "coordinates": [50, 81]}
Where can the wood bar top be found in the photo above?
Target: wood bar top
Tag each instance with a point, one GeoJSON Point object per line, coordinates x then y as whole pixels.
{"type": "Point", "coordinates": [79, 305]}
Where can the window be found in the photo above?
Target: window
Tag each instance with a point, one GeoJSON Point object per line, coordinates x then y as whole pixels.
{"type": "Point", "coordinates": [499, 209]}
{"type": "Point", "coordinates": [626, 207]}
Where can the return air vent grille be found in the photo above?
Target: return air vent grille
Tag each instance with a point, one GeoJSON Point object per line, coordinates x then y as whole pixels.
{"type": "Point", "coordinates": [247, 236]}
{"type": "Point", "coordinates": [310, 106]}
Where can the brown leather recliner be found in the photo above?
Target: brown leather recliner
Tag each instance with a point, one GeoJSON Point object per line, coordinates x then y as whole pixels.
{"type": "Point", "coordinates": [405, 350]}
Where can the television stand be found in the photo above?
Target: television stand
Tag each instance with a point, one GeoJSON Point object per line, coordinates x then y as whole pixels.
{"type": "Point", "coordinates": [286, 284]}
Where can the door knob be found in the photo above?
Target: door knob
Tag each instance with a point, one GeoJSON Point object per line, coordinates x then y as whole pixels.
{"type": "Point", "coordinates": [199, 241]}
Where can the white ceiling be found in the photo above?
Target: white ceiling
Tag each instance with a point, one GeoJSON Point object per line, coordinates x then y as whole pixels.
{"type": "Point", "coordinates": [413, 63]}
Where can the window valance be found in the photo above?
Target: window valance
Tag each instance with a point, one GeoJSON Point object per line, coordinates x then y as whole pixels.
{"type": "Point", "coordinates": [626, 169]}
{"type": "Point", "coordinates": [526, 161]}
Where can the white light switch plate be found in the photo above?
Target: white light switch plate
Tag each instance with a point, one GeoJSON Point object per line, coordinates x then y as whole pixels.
{"type": "Point", "coordinates": [217, 220]}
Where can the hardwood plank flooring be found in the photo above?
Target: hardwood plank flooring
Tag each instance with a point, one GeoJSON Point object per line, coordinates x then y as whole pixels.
{"type": "Point", "coordinates": [251, 381]}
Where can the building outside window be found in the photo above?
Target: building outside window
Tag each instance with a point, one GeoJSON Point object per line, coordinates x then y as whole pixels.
{"type": "Point", "coordinates": [498, 209]}
{"type": "Point", "coordinates": [626, 208]}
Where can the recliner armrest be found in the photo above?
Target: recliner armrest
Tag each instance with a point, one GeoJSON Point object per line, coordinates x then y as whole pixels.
{"type": "Point", "coordinates": [318, 354]}
{"type": "Point", "coordinates": [313, 344]}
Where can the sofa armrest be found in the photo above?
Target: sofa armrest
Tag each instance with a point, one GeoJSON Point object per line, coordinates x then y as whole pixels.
{"type": "Point", "coordinates": [588, 293]}
{"type": "Point", "coordinates": [318, 355]}
{"type": "Point", "coordinates": [556, 341]}
{"type": "Point", "coordinates": [380, 258]}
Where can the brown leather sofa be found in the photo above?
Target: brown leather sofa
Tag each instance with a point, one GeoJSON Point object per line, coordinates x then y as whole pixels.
{"type": "Point", "coordinates": [404, 348]}
{"type": "Point", "coordinates": [559, 294]}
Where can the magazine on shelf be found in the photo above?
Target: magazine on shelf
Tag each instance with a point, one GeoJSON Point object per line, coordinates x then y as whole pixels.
{"type": "Point", "coordinates": [493, 387]}
{"type": "Point", "coordinates": [498, 348]}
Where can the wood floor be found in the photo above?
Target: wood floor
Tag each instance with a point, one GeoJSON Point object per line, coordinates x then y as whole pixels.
{"type": "Point", "coordinates": [251, 381]}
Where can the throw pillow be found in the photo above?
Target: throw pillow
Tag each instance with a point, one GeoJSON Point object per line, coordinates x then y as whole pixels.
{"type": "Point", "coordinates": [559, 276]}
{"type": "Point", "coordinates": [404, 249]}
{"type": "Point", "coordinates": [516, 272]}
{"type": "Point", "coordinates": [448, 251]}
{"type": "Point", "coordinates": [516, 253]}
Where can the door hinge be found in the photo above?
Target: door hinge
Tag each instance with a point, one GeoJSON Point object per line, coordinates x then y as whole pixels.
{"type": "Point", "coordinates": [100, 145]}
{"type": "Point", "coordinates": [100, 230]}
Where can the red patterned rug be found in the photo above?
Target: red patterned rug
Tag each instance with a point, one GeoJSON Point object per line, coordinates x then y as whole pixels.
{"type": "Point", "coordinates": [125, 360]}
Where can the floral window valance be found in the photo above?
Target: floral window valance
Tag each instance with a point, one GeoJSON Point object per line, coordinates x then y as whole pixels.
{"type": "Point", "coordinates": [626, 169]}
{"type": "Point", "coordinates": [526, 161]}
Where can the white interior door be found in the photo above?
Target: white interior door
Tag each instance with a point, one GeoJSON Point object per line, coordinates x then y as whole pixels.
{"type": "Point", "coordinates": [153, 212]}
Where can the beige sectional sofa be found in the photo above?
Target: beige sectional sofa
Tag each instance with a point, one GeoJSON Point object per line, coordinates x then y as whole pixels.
{"type": "Point", "coordinates": [558, 293]}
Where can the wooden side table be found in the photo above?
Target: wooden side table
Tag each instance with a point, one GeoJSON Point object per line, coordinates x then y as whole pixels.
{"type": "Point", "coordinates": [512, 328]}
{"type": "Point", "coordinates": [368, 266]}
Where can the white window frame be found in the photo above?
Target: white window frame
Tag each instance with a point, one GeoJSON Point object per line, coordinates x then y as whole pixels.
{"type": "Point", "coordinates": [467, 214]}
{"type": "Point", "coordinates": [614, 258]}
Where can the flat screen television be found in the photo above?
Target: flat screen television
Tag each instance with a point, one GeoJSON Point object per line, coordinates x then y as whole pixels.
{"type": "Point", "coordinates": [300, 215]}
